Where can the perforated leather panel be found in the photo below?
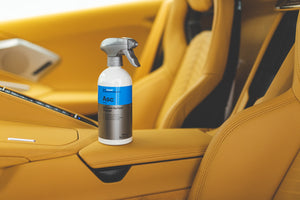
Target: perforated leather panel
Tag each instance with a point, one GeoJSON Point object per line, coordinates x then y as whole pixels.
{"type": "Point", "coordinates": [191, 68]}
{"type": "Point", "coordinates": [191, 73]}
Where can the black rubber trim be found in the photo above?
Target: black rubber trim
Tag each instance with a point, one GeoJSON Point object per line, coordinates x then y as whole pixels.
{"type": "Point", "coordinates": [117, 173]}
{"type": "Point", "coordinates": [46, 105]}
{"type": "Point", "coordinates": [278, 48]}
{"type": "Point", "coordinates": [44, 66]}
{"type": "Point", "coordinates": [111, 174]}
{"type": "Point", "coordinates": [159, 57]}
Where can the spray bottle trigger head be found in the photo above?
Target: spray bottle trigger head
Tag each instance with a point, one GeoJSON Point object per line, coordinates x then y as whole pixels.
{"type": "Point", "coordinates": [131, 57]}
{"type": "Point", "coordinates": [116, 47]}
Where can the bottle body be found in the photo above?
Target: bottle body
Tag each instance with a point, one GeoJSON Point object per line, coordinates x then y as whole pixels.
{"type": "Point", "coordinates": [115, 106]}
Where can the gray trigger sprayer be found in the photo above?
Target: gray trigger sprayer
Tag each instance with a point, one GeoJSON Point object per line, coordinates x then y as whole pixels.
{"type": "Point", "coordinates": [115, 92]}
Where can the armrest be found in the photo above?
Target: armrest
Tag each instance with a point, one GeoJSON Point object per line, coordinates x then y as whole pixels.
{"type": "Point", "coordinates": [148, 146]}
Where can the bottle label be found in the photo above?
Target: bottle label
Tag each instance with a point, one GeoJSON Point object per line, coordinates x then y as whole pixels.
{"type": "Point", "coordinates": [115, 112]}
{"type": "Point", "coordinates": [114, 95]}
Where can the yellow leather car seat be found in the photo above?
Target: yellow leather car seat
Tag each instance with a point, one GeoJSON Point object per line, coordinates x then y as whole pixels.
{"type": "Point", "coordinates": [153, 43]}
{"type": "Point", "coordinates": [282, 81]}
{"type": "Point", "coordinates": [255, 154]}
{"type": "Point", "coordinates": [165, 97]}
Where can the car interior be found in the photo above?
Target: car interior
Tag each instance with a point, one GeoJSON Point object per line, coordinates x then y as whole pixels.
{"type": "Point", "coordinates": [216, 102]}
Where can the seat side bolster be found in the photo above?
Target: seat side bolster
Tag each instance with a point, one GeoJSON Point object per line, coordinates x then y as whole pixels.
{"type": "Point", "coordinates": [240, 161]}
{"type": "Point", "coordinates": [188, 101]}
{"type": "Point", "coordinates": [148, 96]}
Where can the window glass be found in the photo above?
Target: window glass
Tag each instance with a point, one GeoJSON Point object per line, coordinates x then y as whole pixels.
{"type": "Point", "coordinates": [17, 9]}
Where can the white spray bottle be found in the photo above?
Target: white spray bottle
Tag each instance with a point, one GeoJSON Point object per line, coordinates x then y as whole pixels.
{"type": "Point", "coordinates": [115, 93]}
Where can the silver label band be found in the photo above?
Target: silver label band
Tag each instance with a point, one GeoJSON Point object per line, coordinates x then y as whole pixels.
{"type": "Point", "coordinates": [115, 121]}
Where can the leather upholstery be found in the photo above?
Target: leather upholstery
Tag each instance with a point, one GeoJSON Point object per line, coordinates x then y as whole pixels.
{"type": "Point", "coordinates": [283, 79]}
{"type": "Point", "coordinates": [296, 80]}
{"type": "Point", "coordinates": [200, 71]}
{"type": "Point", "coordinates": [200, 5]}
{"type": "Point", "coordinates": [190, 75]}
{"type": "Point", "coordinates": [50, 142]}
{"type": "Point", "coordinates": [68, 178]}
{"type": "Point", "coordinates": [148, 146]}
{"type": "Point", "coordinates": [150, 92]}
{"type": "Point", "coordinates": [289, 188]}
{"type": "Point", "coordinates": [164, 98]}
{"type": "Point", "coordinates": [18, 110]}
{"type": "Point", "coordinates": [153, 41]}
{"type": "Point", "coordinates": [244, 96]}
{"type": "Point", "coordinates": [252, 152]}
{"type": "Point", "coordinates": [177, 194]}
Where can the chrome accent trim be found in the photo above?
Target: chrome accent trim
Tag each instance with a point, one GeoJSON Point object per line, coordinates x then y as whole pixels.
{"type": "Point", "coordinates": [284, 5]}
{"type": "Point", "coordinates": [21, 139]}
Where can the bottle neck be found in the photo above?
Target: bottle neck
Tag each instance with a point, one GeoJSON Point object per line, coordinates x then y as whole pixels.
{"type": "Point", "coordinates": [115, 61]}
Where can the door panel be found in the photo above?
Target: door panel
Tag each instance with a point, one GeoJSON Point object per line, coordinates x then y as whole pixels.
{"type": "Point", "coordinates": [76, 37]}
{"type": "Point", "coordinates": [68, 178]}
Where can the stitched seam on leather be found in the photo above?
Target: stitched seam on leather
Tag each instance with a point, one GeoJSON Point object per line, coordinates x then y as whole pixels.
{"type": "Point", "coordinates": [227, 133]}
{"type": "Point", "coordinates": [278, 189]}
{"type": "Point", "coordinates": [190, 69]}
{"type": "Point", "coordinates": [200, 151]}
{"type": "Point", "coordinates": [147, 83]}
{"type": "Point", "coordinates": [183, 153]}
{"type": "Point", "coordinates": [181, 103]}
{"type": "Point", "coordinates": [207, 36]}
{"type": "Point", "coordinates": [62, 151]}
{"type": "Point", "coordinates": [297, 76]}
{"type": "Point", "coordinates": [229, 130]}
{"type": "Point", "coordinates": [194, 60]}
{"type": "Point", "coordinates": [297, 54]}
{"type": "Point", "coordinates": [20, 101]}
{"type": "Point", "coordinates": [218, 6]}
{"type": "Point", "coordinates": [186, 77]}
{"type": "Point", "coordinates": [147, 159]}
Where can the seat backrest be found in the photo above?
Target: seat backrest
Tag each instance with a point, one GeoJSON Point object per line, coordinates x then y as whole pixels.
{"type": "Point", "coordinates": [283, 79]}
{"type": "Point", "coordinates": [150, 91]}
{"type": "Point", "coordinates": [201, 70]}
{"type": "Point", "coordinates": [153, 42]}
{"type": "Point", "coordinates": [264, 76]}
{"type": "Point", "coordinates": [165, 97]}
{"type": "Point", "coordinates": [255, 153]}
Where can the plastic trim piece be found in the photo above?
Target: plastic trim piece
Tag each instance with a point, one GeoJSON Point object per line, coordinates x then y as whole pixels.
{"type": "Point", "coordinates": [21, 139]}
{"type": "Point", "coordinates": [111, 174]}
{"type": "Point", "coordinates": [117, 173]}
{"type": "Point", "coordinates": [284, 5]}
{"type": "Point", "coordinates": [26, 59]}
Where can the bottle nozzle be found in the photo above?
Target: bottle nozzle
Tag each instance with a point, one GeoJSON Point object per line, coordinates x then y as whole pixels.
{"type": "Point", "coordinates": [116, 47]}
